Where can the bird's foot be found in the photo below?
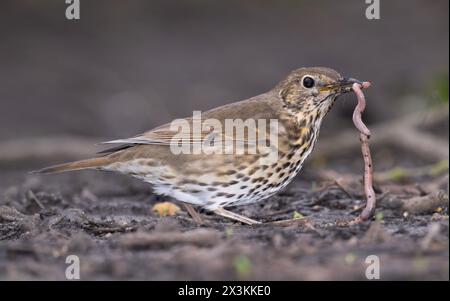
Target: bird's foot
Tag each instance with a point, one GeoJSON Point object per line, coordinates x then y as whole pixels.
{"type": "Point", "coordinates": [194, 214]}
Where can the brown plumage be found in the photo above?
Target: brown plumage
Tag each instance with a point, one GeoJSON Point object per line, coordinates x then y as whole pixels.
{"type": "Point", "coordinates": [216, 180]}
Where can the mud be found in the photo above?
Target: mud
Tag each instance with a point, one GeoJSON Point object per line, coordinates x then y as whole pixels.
{"type": "Point", "coordinates": [107, 221]}
{"type": "Point", "coordinates": [122, 71]}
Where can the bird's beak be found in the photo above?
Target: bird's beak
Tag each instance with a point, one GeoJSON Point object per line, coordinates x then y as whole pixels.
{"type": "Point", "coordinates": [342, 85]}
{"type": "Point", "coordinates": [345, 84]}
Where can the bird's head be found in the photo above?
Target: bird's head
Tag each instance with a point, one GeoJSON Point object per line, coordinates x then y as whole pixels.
{"type": "Point", "coordinates": [313, 90]}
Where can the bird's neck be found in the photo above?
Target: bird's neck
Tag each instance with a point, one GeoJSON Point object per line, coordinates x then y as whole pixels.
{"type": "Point", "coordinates": [303, 126]}
{"type": "Point", "coordinates": [310, 116]}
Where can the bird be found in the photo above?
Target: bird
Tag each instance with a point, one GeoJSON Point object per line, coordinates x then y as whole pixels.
{"type": "Point", "coordinates": [217, 179]}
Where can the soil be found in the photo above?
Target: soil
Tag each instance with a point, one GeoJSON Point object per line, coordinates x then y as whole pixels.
{"type": "Point", "coordinates": [119, 72]}
{"type": "Point", "coordinates": [107, 221]}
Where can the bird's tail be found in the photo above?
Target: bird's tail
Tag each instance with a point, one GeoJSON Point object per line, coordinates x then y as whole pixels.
{"type": "Point", "coordinates": [77, 165]}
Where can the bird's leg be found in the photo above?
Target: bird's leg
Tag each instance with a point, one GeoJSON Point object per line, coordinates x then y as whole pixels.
{"type": "Point", "coordinates": [235, 216]}
{"type": "Point", "coordinates": [193, 213]}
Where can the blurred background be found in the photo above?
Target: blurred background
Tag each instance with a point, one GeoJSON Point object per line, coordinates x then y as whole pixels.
{"type": "Point", "coordinates": [128, 66]}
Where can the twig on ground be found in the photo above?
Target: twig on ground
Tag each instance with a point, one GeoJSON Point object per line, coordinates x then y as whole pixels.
{"type": "Point", "coordinates": [290, 222]}
{"type": "Point", "coordinates": [425, 204]}
{"type": "Point", "coordinates": [343, 188]}
{"type": "Point", "coordinates": [194, 214]}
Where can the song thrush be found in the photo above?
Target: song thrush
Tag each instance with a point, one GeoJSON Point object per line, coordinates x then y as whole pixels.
{"type": "Point", "coordinates": [217, 180]}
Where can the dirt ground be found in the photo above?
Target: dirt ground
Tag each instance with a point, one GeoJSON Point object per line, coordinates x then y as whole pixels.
{"type": "Point", "coordinates": [107, 221]}
{"type": "Point", "coordinates": [124, 69]}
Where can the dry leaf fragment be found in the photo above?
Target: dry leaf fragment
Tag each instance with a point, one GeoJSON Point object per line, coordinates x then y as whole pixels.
{"type": "Point", "coordinates": [166, 209]}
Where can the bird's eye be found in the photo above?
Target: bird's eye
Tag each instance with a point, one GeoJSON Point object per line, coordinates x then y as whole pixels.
{"type": "Point", "coordinates": [308, 82]}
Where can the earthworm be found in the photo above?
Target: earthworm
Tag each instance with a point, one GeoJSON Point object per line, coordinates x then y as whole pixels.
{"type": "Point", "coordinates": [360, 107]}
{"type": "Point", "coordinates": [364, 138]}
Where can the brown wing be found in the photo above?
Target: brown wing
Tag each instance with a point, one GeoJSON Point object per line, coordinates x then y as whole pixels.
{"type": "Point", "coordinates": [263, 106]}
